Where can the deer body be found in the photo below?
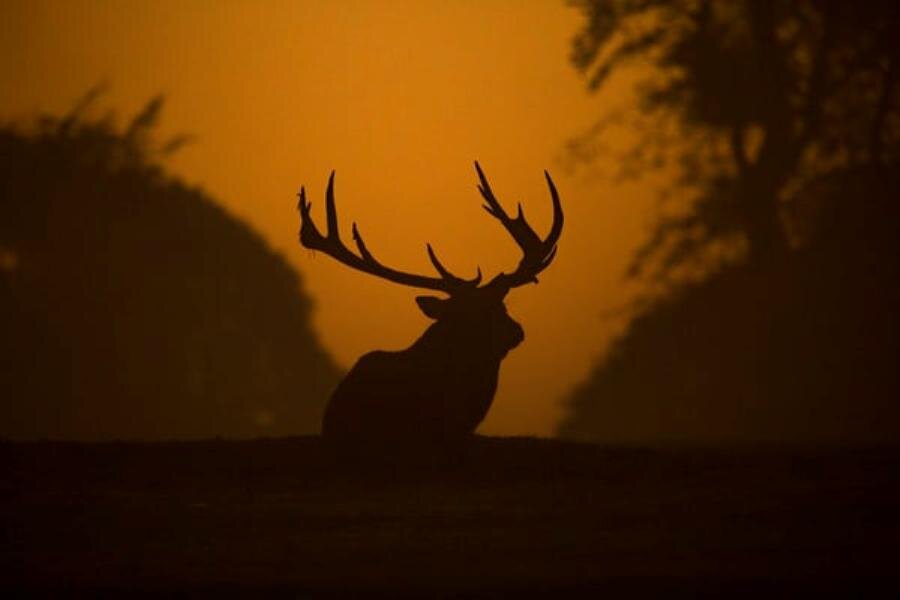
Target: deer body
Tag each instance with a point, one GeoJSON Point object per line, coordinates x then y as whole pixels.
{"type": "Point", "coordinates": [438, 390]}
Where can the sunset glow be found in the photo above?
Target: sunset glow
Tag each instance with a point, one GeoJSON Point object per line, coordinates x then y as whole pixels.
{"type": "Point", "coordinates": [399, 98]}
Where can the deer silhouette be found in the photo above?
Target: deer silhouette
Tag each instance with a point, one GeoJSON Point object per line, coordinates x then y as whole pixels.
{"type": "Point", "coordinates": [438, 390]}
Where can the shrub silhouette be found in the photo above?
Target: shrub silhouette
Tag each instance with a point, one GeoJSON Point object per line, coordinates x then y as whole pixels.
{"type": "Point", "coordinates": [133, 306]}
{"type": "Point", "coordinates": [805, 350]}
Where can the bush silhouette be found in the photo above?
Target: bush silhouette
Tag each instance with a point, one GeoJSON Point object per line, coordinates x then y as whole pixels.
{"type": "Point", "coordinates": [805, 350]}
{"type": "Point", "coordinates": [133, 306]}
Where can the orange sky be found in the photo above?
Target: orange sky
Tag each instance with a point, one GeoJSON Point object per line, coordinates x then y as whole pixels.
{"type": "Point", "coordinates": [399, 98]}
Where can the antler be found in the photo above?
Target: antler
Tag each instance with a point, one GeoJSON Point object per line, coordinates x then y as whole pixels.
{"type": "Point", "coordinates": [331, 244]}
{"type": "Point", "coordinates": [537, 254]}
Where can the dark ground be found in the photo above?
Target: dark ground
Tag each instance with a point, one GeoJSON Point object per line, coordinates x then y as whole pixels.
{"type": "Point", "coordinates": [507, 516]}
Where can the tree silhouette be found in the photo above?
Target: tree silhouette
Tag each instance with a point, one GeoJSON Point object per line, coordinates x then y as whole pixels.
{"type": "Point", "coordinates": [787, 134]}
{"type": "Point", "coordinates": [132, 305]}
{"type": "Point", "coordinates": [766, 97]}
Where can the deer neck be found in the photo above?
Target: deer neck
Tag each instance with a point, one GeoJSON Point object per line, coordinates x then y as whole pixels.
{"type": "Point", "coordinates": [442, 343]}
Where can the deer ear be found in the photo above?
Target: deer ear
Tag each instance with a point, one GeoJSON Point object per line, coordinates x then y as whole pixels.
{"type": "Point", "coordinates": [432, 307]}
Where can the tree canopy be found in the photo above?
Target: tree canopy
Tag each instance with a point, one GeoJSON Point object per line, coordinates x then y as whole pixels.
{"type": "Point", "coordinates": [133, 305]}
{"type": "Point", "coordinates": [766, 97]}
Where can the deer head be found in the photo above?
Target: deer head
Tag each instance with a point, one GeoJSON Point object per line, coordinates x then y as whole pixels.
{"type": "Point", "coordinates": [470, 303]}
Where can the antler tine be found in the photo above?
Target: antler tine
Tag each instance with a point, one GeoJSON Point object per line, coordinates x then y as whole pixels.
{"type": "Point", "coordinates": [309, 234]}
{"type": "Point", "coordinates": [493, 206]}
{"type": "Point", "coordinates": [331, 210]}
{"type": "Point", "coordinates": [447, 274]}
{"type": "Point", "coordinates": [537, 253]}
{"type": "Point", "coordinates": [331, 244]}
{"type": "Point", "coordinates": [556, 228]}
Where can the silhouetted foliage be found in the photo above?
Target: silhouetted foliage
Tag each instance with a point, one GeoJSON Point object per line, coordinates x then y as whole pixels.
{"type": "Point", "coordinates": [789, 121]}
{"type": "Point", "coordinates": [805, 350]}
{"type": "Point", "coordinates": [765, 97]}
{"type": "Point", "coordinates": [132, 305]}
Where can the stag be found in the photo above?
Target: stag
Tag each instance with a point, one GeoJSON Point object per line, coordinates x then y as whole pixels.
{"type": "Point", "coordinates": [439, 389]}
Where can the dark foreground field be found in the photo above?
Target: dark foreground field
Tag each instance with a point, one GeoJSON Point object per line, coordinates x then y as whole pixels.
{"type": "Point", "coordinates": [508, 515]}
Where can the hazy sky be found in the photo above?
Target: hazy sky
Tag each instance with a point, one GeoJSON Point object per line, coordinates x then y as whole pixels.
{"type": "Point", "coordinates": [399, 98]}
